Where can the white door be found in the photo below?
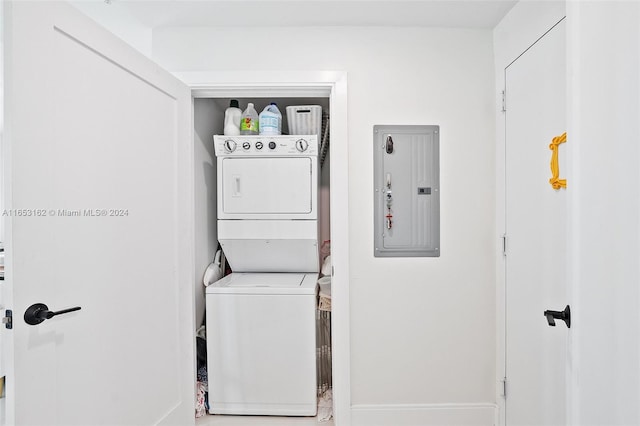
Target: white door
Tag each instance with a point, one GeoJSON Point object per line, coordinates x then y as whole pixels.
{"type": "Point", "coordinates": [536, 353]}
{"type": "Point", "coordinates": [273, 186]}
{"type": "Point", "coordinates": [97, 216]}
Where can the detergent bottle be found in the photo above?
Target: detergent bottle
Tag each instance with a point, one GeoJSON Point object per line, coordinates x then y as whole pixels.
{"type": "Point", "coordinates": [232, 116]}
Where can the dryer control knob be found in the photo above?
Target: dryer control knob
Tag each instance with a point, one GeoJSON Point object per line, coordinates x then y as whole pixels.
{"type": "Point", "coordinates": [272, 145]}
{"type": "Point", "coordinates": [302, 145]}
{"type": "Point", "coordinates": [230, 145]}
{"type": "Point", "coordinates": [259, 145]}
{"type": "Point", "coordinates": [246, 145]}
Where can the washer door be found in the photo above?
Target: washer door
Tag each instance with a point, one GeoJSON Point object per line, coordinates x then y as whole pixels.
{"type": "Point", "coordinates": [273, 187]}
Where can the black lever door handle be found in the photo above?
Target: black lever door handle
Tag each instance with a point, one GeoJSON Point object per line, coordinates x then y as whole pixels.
{"type": "Point", "coordinates": [39, 312]}
{"type": "Point", "coordinates": [561, 315]}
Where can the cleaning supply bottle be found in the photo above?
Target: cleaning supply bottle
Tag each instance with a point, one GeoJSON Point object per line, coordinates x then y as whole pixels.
{"type": "Point", "coordinates": [249, 121]}
{"type": "Point", "coordinates": [271, 120]}
{"type": "Point", "coordinates": [232, 116]}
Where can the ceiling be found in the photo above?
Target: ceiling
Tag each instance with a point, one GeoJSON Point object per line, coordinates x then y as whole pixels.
{"type": "Point", "coordinates": [419, 13]}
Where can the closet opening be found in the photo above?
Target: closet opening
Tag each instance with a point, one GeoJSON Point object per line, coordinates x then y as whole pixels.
{"type": "Point", "coordinates": [229, 348]}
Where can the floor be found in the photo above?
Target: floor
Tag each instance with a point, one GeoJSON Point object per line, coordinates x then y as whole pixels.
{"type": "Point", "coordinates": [218, 420]}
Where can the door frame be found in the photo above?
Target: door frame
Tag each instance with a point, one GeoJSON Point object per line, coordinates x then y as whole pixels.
{"type": "Point", "coordinates": [331, 84]}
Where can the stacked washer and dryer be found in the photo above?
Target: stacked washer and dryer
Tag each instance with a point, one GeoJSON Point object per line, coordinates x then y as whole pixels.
{"type": "Point", "coordinates": [261, 319]}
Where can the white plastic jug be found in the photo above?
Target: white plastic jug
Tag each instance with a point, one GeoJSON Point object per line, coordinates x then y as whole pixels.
{"type": "Point", "coordinates": [249, 121]}
{"type": "Point", "coordinates": [271, 120]}
{"type": "Point", "coordinates": [232, 117]}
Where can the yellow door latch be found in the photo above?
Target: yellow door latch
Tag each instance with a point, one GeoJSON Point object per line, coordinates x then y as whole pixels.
{"type": "Point", "coordinates": [555, 181]}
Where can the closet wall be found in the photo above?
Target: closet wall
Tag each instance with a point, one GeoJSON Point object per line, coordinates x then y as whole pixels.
{"type": "Point", "coordinates": [208, 120]}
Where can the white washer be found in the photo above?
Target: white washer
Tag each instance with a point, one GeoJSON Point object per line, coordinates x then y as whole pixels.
{"type": "Point", "coordinates": [261, 344]}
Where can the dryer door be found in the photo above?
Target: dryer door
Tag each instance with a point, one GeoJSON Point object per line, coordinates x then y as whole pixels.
{"type": "Point", "coordinates": [267, 188]}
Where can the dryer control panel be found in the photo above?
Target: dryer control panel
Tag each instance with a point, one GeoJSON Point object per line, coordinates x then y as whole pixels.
{"type": "Point", "coordinates": [268, 146]}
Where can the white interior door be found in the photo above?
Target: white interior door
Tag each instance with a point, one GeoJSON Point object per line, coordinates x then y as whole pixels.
{"type": "Point", "coordinates": [96, 167]}
{"type": "Point", "coordinates": [536, 235]}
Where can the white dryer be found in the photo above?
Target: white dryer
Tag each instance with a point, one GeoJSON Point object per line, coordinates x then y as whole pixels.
{"type": "Point", "coordinates": [267, 177]}
{"type": "Point", "coordinates": [261, 344]}
{"type": "Point", "coordinates": [268, 202]}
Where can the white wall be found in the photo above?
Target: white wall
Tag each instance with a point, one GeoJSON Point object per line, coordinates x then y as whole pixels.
{"type": "Point", "coordinates": [604, 49]}
{"type": "Point", "coordinates": [116, 17]}
{"type": "Point", "coordinates": [5, 342]}
{"type": "Point", "coordinates": [423, 329]}
{"type": "Point", "coordinates": [208, 119]}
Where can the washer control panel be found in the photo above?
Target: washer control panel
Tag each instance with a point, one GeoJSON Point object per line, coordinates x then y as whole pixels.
{"type": "Point", "coordinates": [255, 145]}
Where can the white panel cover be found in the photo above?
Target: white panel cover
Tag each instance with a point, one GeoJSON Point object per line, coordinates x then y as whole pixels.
{"type": "Point", "coordinates": [270, 245]}
{"type": "Point", "coordinates": [265, 283]}
{"type": "Point", "coordinates": [264, 186]}
{"type": "Point", "coordinates": [268, 229]}
{"type": "Point", "coordinates": [267, 280]}
{"type": "Point", "coordinates": [257, 255]}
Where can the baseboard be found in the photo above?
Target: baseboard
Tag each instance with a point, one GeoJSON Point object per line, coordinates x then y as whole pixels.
{"type": "Point", "coordinates": [478, 414]}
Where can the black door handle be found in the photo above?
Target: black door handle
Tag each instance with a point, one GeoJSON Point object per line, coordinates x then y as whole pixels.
{"type": "Point", "coordinates": [561, 315]}
{"type": "Point", "coordinates": [39, 312]}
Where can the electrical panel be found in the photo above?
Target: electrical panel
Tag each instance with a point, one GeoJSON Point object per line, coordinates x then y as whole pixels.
{"type": "Point", "coordinates": [407, 191]}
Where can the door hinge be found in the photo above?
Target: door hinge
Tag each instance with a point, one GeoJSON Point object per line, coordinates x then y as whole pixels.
{"type": "Point", "coordinates": [504, 244]}
{"type": "Point", "coordinates": [8, 319]}
{"type": "Point", "coordinates": [504, 101]}
{"type": "Point", "coordinates": [504, 387]}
